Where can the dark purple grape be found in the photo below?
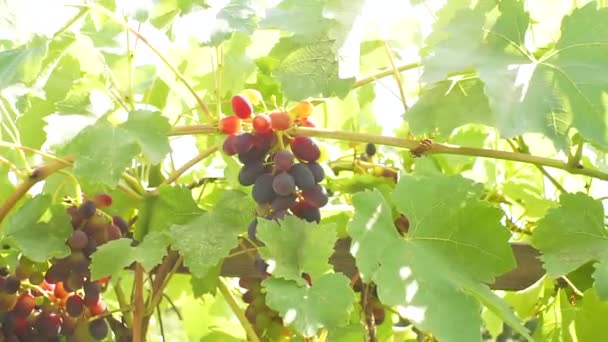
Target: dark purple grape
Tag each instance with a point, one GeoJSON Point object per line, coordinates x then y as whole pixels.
{"type": "Point", "coordinates": [74, 305]}
{"type": "Point", "coordinates": [253, 155]}
{"type": "Point", "coordinates": [283, 184]}
{"type": "Point", "coordinates": [11, 284]}
{"type": "Point", "coordinates": [91, 294]}
{"type": "Point", "coordinates": [263, 141]}
{"type": "Point", "coordinates": [49, 324]}
{"type": "Point", "coordinates": [4, 271]}
{"type": "Point", "coordinates": [113, 232]}
{"type": "Point", "coordinates": [250, 172]}
{"type": "Point", "coordinates": [87, 209]}
{"type": "Point", "coordinates": [307, 212]}
{"type": "Point", "coordinates": [75, 262]}
{"type": "Point", "coordinates": [76, 218]}
{"type": "Point", "coordinates": [283, 202]}
{"type": "Point", "coordinates": [78, 240]}
{"type": "Point", "coordinates": [277, 215]}
{"type": "Point", "coordinates": [317, 171]}
{"type": "Point", "coordinates": [228, 146]}
{"type": "Point", "coordinates": [252, 230]}
{"type": "Point", "coordinates": [74, 281]}
{"type": "Point", "coordinates": [262, 191]}
{"type": "Point", "coordinates": [99, 329]}
{"type": "Point", "coordinates": [248, 297]}
{"type": "Point", "coordinates": [302, 176]}
{"type": "Point", "coordinates": [243, 142]}
{"type": "Point", "coordinates": [315, 196]}
{"type": "Point", "coordinates": [283, 160]}
{"type": "Point", "coordinates": [56, 273]}
{"type": "Point", "coordinates": [91, 247]}
{"type": "Point", "coordinates": [305, 149]}
{"type": "Point", "coordinates": [370, 149]}
{"type": "Point", "coordinates": [121, 223]}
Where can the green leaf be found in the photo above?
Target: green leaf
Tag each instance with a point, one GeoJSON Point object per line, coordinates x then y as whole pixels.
{"type": "Point", "coordinates": [236, 16]}
{"type": "Point", "coordinates": [150, 131]}
{"type": "Point", "coordinates": [205, 240]}
{"type": "Point", "coordinates": [465, 247]}
{"type": "Point", "coordinates": [114, 256]}
{"type": "Point", "coordinates": [22, 64]}
{"type": "Point", "coordinates": [297, 247]}
{"type": "Point", "coordinates": [327, 303]}
{"type": "Point", "coordinates": [102, 165]}
{"type": "Point", "coordinates": [300, 17]}
{"type": "Point", "coordinates": [590, 318]}
{"type": "Point", "coordinates": [579, 69]}
{"type": "Point", "coordinates": [573, 234]}
{"type": "Point", "coordinates": [206, 284]}
{"type": "Point", "coordinates": [312, 70]}
{"type": "Point", "coordinates": [40, 229]}
{"type": "Point", "coordinates": [172, 205]}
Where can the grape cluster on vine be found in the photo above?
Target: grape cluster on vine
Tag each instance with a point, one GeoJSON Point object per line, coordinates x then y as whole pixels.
{"type": "Point", "coordinates": [283, 170]}
{"type": "Point", "coordinates": [266, 322]}
{"type": "Point", "coordinates": [42, 302]}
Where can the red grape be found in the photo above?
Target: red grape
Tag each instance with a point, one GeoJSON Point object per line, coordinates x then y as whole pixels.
{"type": "Point", "coordinates": [261, 123]}
{"type": "Point", "coordinates": [315, 196]}
{"type": "Point", "coordinates": [120, 223]}
{"type": "Point", "coordinates": [99, 307]}
{"type": "Point", "coordinates": [306, 211]}
{"type": "Point", "coordinates": [102, 200]}
{"type": "Point", "coordinates": [49, 324]}
{"type": "Point", "coordinates": [305, 149]}
{"type": "Point", "coordinates": [280, 121]}
{"type": "Point", "coordinates": [25, 305]}
{"type": "Point", "coordinates": [60, 292]}
{"type": "Point", "coordinates": [307, 122]}
{"type": "Point", "coordinates": [228, 146]}
{"type": "Point", "coordinates": [113, 232]}
{"type": "Point", "coordinates": [283, 184]}
{"type": "Point", "coordinates": [303, 109]}
{"type": "Point", "coordinates": [230, 125]}
{"type": "Point", "coordinates": [241, 106]}
{"type": "Point", "coordinates": [91, 294]}
{"type": "Point", "coordinates": [78, 240]}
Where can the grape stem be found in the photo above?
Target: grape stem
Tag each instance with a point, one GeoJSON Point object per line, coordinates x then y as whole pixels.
{"type": "Point", "coordinates": [253, 337]}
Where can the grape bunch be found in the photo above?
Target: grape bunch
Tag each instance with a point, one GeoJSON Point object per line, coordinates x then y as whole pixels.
{"type": "Point", "coordinates": [41, 302]}
{"type": "Point", "coordinates": [283, 170]}
{"type": "Point", "coordinates": [266, 322]}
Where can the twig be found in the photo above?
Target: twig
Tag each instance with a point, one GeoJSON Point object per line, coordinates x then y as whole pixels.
{"type": "Point", "coordinates": [385, 73]}
{"type": "Point", "coordinates": [524, 148]}
{"type": "Point", "coordinates": [138, 304]}
{"type": "Point", "coordinates": [202, 155]}
{"type": "Point", "coordinates": [397, 75]}
{"type": "Point", "coordinates": [253, 337]}
{"type": "Point", "coordinates": [368, 315]}
{"type": "Point", "coordinates": [122, 303]}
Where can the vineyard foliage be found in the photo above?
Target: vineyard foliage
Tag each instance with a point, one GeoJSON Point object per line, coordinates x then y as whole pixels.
{"type": "Point", "coordinates": [146, 145]}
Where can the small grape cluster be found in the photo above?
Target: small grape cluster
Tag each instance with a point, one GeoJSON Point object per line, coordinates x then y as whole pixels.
{"type": "Point", "coordinates": [39, 302]}
{"type": "Point", "coordinates": [266, 322]}
{"type": "Point", "coordinates": [283, 170]}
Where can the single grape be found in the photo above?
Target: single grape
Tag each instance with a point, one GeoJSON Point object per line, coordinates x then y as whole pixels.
{"type": "Point", "coordinates": [262, 191]}
{"type": "Point", "coordinates": [69, 325]}
{"type": "Point", "coordinates": [228, 146]}
{"type": "Point", "coordinates": [120, 223]}
{"type": "Point", "coordinates": [78, 240]}
{"type": "Point", "coordinates": [74, 305]}
{"type": "Point", "coordinates": [60, 292]}
{"type": "Point", "coordinates": [306, 211]}
{"type": "Point", "coordinates": [11, 284]}
{"type": "Point", "coordinates": [99, 329]}
{"type": "Point", "coordinates": [243, 142]}
{"type": "Point", "coordinates": [102, 200]}
{"type": "Point", "coordinates": [4, 271]}
{"type": "Point", "coordinates": [87, 209]}
{"type": "Point", "coordinates": [91, 294]}
{"type": "Point", "coordinates": [74, 281]}
{"type": "Point", "coordinates": [379, 314]}
{"type": "Point", "coordinates": [283, 160]}
{"type": "Point", "coordinates": [253, 155]}
{"type": "Point", "coordinates": [241, 106]}
{"type": "Point", "coordinates": [77, 262]}
{"type": "Point", "coordinates": [263, 141]}
{"type": "Point", "coordinates": [248, 297]}
{"type": "Point", "coordinates": [317, 171]}
{"type": "Point", "coordinates": [315, 196]}
{"type": "Point", "coordinates": [402, 223]}
{"type": "Point", "coordinates": [230, 125]}
{"type": "Point", "coordinates": [305, 149]}
{"type": "Point", "coordinates": [303, 109]}
{"type": "Point", "coordinates": [283, 202]}
{"type": "Point", "coordinates": [91, 247]}
{"type": "Point", "coordinates": [75, 216]}
{"type": "Point", "coordinates": [302, 176]}
{"type": "Point", "coordinates": [252, 230]}
{"type": "Point", "coordinates": [261, 123]}
{"type": "Point", "coordinates": [280, 121]}
{"type": "Point", "coordinates": [306, 122]}
{"type": "Point", "coordinates": [307, 277]}
{"type": "Point", "coordinates": [99, 308]}
{"type": "Point", "coordinates": [254, 96]}
{"type": "Point", "coordinates": [370, 149]}
{"type": "Point", "coordinates": [49, 324]}
{"type": "Point", "coordinates": [113, 232]}
{"type": "Point", "coordinates": [283, 184]}
{"type": "Point", "coordinates": [250, 172]}
{"type": "Point", "coordinates": [25, 304]}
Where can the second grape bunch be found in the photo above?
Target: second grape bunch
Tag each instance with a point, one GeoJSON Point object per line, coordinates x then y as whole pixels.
{"type": "Point", "coordinates": [283, 170]}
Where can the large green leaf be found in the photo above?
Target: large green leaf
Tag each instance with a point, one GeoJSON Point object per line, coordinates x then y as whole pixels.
{"type": "Point", "coordinates": [300, 17]}
{"type": "Point", "coordinates": [38, 236]}
{"type": "Point", "coordinates": [327, 303]}
{"type": "Point", "coordinates": [22, 64]}
{"type": "Point", "coordinates": [297, 247]}
{"type": "Point", "coordinates": [208, 238]}
{"type": "Point", "coordinates": [150, 130]}
{"type": "Point", "coordinates": [573, 234]}
{"type": "Point", "coordinates": [452, 233]}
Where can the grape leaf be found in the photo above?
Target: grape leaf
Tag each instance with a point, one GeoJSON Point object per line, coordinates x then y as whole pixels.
{"type": "Point", "coordinates": [103, 152]}
{"type": "Point", "coordinates": [590, 318]}
{"type": "Point", "coordinates": [206, 284]}
{"type": "Point", "coordinates": [579, 68]}
{"type": "Point", "coordinates": [113, 256]}
{"type": "Point", "coordinates": [208, 238]}
{"type": "Point", "coordinates": [172, 205]}
{"type": "Point", "coordinates": [573, 234]}
{"type": "Point", "coordinates": [40, 240]}
{"type": "Point", "coordinates": [150, 131]}
{"type": "Point", "coordinates": [465, 246]}
{"type": "Point", "coordinates": [297, 247]}
{"type": "Point", "coordinates": [236, 16]}
{"type": "Point", "coordinates": [327, 303]}
{"type": "Point", "coordinates": [22, 64]}
{"type": "Point", "coordinates": [300, 17]}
